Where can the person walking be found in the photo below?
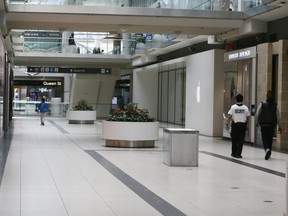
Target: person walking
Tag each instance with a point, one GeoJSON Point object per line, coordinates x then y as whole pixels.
{"type": "Point", "coordinates": [238, 115]}
{"type": "Point", "coordinates": [42, 109]}
{"type": "Point", "coordinates": [267, 117]}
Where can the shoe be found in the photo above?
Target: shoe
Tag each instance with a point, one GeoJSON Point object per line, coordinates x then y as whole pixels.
{"type": "Point", "coordinates": [268, 154]}
{"type": "Point", "coordinates": [238, 156]}
{"type": "Point", "coordinates": [233, 155]}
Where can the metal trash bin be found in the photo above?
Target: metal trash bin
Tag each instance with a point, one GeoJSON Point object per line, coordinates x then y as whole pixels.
{"type": "Point", "coordinates": [180, 147]}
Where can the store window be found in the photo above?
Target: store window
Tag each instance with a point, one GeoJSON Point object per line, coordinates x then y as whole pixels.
{"type": "Point", "coordinates": [171, 94]}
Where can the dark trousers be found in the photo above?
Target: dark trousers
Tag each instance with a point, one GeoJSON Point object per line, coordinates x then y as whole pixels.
{"type": "Point", "coordinates": [238, 131]}
{"type": "Point", "coordinates": [267, 133]}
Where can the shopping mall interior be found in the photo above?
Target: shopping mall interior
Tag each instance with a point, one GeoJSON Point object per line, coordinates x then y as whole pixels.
{"type": "Point", "coordinates": [183, 62]}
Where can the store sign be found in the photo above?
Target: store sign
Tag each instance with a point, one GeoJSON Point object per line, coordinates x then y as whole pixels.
{"type": "Point", "coordinates": [240, 54]}
{"type": "Point", "coordinates": [125, 83]}
{"type": "Point", "coordinates": [69, 70]}
{"type": "Point", "coordinates": [44, 83]}
{"type": "Point", "coordinates": [52, 83]}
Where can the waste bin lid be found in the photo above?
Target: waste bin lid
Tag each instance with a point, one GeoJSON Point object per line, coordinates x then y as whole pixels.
{"type": "Point", "coordinates": [180, 130]}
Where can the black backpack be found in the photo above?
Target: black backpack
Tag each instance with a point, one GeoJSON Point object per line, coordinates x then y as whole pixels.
{"type": "Point", "coordinates": [268, 114]}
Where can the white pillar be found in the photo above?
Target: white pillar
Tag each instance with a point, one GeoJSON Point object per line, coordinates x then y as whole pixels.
{"type": "Point", "coordinates": [126, 43]}
{"type": "Point", "coordinates": [56, 106]}
{"type": "Point", "coordinates": [240, 6]}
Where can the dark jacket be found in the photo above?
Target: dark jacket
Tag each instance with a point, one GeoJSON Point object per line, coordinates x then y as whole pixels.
{"type": "Point", "coordinates": [268, 113]}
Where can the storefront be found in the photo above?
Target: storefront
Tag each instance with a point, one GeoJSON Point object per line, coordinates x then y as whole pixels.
{"type": "Point", "coordinates": [240, 78]}
{"type": "Point", "coordinates": [28, 93]}
{"type": "Point", "coordinates": [34, 90]}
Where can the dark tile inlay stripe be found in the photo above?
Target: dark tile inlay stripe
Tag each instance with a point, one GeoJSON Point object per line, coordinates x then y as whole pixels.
{"type": "Point", "coordinates": [147, 195]}
{"type": "Point", "coordinates": [59, 127]}
{"type": "Point", "coordinates": [246, 164]}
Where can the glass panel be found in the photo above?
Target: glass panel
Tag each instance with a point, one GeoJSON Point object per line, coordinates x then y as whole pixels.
{"type": "Point", "coordinates": [237, 80]}
{"type": "Point", "coordinates": [230, 90]}
{"type": "Point", "coordinates": [164, 97]}
{"type": "Point", "coordinates": [2, 71]}
{"type": "Point", "coordinates": [171, 96]}
{"type": "Point", "coordinates": [234, 5]}
{"type": "Point", "coordinates": [179, 97]}
{"type": "Point", "coordinates": [27, 108]}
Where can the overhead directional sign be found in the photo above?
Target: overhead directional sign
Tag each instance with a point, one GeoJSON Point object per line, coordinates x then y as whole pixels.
{"type": "Point", "coordinates": [42, 34]}
{"type": "Point", "coordinates": [68, 70]}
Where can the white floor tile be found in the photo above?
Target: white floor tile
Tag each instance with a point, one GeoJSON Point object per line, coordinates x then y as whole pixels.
{"type": "Point", "coordinates": [48, 172]}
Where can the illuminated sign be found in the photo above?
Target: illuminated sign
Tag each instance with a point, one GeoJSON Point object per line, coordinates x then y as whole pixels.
{"type": "Point", "coordinates": [52, 83]}
{"type": "Point", "coordinates": [44, 83]}
{"type": "Point", "coordinates": [240, 54]}
{"type": "Point", "coordinates": [42, 34]}
{"type": "Point", "coordinates": [68, 70]}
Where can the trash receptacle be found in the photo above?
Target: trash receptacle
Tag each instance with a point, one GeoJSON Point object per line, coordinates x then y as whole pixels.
{"type": "Point", "coordinates": [180, 147]}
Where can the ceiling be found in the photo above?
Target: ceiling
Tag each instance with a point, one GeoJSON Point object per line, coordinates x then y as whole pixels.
{"type": "Point", "coordinates": [200, 24]}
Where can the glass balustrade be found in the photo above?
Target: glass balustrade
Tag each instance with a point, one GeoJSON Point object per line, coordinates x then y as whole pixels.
{"type": "Point", "coordinates": [106, 47]}
{"type": "Point", "coordinates": [89, 43]}
{"type": "Point", "coordinates": [234, 5]}
{"type": "Point", "coordinates": [28, 108]}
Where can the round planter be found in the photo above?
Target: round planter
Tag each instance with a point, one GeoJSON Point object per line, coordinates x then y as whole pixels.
{"type": "Point", "coordinates": [81, 117]}
{"type": "Point", "coordinates": [130, 134]}
{"type": "Point", "coordinates": [140, 48]}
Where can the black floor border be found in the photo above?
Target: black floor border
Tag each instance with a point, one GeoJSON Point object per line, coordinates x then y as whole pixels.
{"type": "Point", "coordinates": [273, 172]}
{"type": "Point", "coordinates": [5, 144]}
{"type": "Point", "coordinates": [147, 195]}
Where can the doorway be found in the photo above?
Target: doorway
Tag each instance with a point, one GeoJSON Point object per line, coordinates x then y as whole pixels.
{"type": "Point", "coordinates": [239, 79]}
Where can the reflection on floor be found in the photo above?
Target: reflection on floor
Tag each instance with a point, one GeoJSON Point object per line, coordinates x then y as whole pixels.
{"type": "Point", "coordinates": [62, 169]}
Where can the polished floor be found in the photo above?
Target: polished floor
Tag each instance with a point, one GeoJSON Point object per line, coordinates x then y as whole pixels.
{"type": "Point", "coordinates": [63, 169]}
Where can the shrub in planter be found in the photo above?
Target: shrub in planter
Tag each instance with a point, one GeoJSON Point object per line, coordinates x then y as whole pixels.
{"type": "Point", "coordinates": [131, 113]}
{"type": "Point", "coordinates": [83, 106]}
{"type": "Point", "coordinates": [81, 113]}
{"type": "Point", "coordinates": [130, 127]}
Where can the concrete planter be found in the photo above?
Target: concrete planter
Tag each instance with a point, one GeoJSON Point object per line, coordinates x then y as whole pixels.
{"type": "Point", "coordinates": [130, 134]}
{"type": "Point", "coordinates": [81, 117]}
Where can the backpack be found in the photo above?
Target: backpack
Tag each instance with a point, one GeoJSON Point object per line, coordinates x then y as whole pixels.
{"type": "Point", "coordinates": [268, 114]}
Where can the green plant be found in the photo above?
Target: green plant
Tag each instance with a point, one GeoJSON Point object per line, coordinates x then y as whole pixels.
{"type": "Point", "coordinates": [82, 105]}
{"type": "Point", "coordinates": [131, 113]}
{"type": "Point", "coordinates": [140, 40]}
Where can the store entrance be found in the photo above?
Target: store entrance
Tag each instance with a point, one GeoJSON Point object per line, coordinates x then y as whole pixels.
{"type": "Point", "coordinates": [238, 79]}
{"type": "Point", "coordinates": [28, 93]}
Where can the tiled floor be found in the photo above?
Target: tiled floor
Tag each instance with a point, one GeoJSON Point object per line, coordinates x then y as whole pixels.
{"type": "Point", "coordinates": [62, 169]}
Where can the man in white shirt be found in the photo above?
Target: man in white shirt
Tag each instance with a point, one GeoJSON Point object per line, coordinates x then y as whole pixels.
{"type": "Point", "coordinates": [238, 114]}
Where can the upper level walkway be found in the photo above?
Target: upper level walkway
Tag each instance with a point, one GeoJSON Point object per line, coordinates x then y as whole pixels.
{"type": "Point", "coordinates": [188, 20]}
{"type": "Point", "coordinates": [61, 169]}
{"type": "Point", "coordinates": [187, 25]}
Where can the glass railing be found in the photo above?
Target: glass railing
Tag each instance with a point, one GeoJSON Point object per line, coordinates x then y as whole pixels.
{"type": "Point", "coordinates": [234, 5]}
{"type": "Point", "coordinates": [28, 108]}
{"type": "Point", "coordinates": [80, 47]}
{"type": "Point", "coordinates": [106, 46]}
